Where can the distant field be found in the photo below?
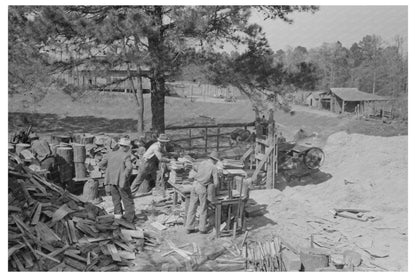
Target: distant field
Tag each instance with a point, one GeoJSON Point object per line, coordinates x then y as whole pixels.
{"type": "Point", "coordinates": [116, 112]}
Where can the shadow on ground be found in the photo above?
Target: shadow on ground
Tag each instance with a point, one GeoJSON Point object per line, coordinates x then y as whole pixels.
{"type": "Point", "coordinates": [256, 214]}
{"type": "Point", "coordinates": [52, 123]}
{"type": "Point", "coordinates": [312, 179]}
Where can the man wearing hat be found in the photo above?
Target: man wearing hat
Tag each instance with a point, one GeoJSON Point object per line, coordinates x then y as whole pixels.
{"type": "Point", "coordinates": [206, 176]}
{"type": "Point", "coordinates": [151, 158]}
{"type": "Point", "coordinates": [116, 177]}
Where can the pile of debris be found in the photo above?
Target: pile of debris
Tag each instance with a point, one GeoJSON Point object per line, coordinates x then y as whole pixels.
{"type": "Point", "coordinates": [50, 229]}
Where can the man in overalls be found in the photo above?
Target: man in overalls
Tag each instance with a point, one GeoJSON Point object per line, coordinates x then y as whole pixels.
{"type": "Point", "coordinates": [205, 182]}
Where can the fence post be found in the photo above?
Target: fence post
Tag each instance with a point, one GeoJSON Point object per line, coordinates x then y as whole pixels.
{"type": "Point", "coordinates": [190, 138]}
{"type": "Point", "coordinates": [218, 139]}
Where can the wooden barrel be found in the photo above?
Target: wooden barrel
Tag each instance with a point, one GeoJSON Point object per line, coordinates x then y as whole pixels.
{"type": "Point", "coordinates": [80, 170]}
{"type": "Point", "coordinates": [80, 153]}
{"type": "Point", "coordinates": [66, 153]}
{"type": "Point", "coordinates": [21, 146]}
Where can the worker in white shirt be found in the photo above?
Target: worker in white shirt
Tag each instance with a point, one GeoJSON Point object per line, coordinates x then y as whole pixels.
{"type": "Point", "coordinates": [151, 158]}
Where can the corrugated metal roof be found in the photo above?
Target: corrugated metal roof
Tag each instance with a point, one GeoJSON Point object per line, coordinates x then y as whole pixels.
{"type": "Point", "coordinates": [353, 94]}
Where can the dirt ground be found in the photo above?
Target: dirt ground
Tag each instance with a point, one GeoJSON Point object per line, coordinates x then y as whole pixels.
{"type": "Point", "coordinates": [366, 172]}
{"type": "Point", "coordinates": [366, 167]}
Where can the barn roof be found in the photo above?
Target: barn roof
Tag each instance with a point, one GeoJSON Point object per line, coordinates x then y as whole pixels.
{"type": "Point", "coordinates": [316, 94]}
{"type": "Point", "coordinates": [353, 94]}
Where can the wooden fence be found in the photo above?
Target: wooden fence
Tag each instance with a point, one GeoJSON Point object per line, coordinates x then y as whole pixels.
{"type": "Point", "coordinates": [205, 135]}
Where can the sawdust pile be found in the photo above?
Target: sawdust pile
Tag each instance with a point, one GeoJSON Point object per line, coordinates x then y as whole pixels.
{"type": "Point", "coordinates": [365, 172]}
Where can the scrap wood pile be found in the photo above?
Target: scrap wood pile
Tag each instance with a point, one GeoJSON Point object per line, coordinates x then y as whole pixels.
{"type": "Point", "coordinates": [264, 256]}
{"type": "Point", "coordinates": [50, 229]}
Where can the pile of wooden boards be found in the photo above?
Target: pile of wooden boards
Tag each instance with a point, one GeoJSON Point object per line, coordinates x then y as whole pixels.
{"type": "Point", "coordinates": [50, 229]}
{"type": "Point", "coordinates": [264, 256]}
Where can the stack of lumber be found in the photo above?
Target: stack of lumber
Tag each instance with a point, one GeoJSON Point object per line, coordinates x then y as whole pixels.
{"type": "Point", "coordinates": [232, 164]}
{"type": "Point", "coordinates": [50, 229]}
{"type": "Point", "coordinates": [179, 171]}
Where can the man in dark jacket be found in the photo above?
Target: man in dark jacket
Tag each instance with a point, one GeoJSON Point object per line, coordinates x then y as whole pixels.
{"type": "Point", "coordinates": [117, 175]}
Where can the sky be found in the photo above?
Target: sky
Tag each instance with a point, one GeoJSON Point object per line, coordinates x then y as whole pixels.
{"type": "Point", "coordinates": [347, 24]}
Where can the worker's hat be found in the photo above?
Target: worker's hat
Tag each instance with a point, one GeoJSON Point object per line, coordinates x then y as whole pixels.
{"type": "Point", "coordinates": [214, 155]}
{"type": "Point", "coordinates": [163, 138]}
{"type": "Point", "coordinates": [124, 142]}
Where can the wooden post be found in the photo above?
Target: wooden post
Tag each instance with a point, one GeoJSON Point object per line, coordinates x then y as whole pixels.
{"type": "Point", "coordinates": [343, 106]}
{"type": "Point", "coordinates": [206, 140]}
{"type": "Point", "coordinates": [190, 138]}
{"type": "Point", "coordinates": [270, 162]}
{"type": "Point", "coordinates": [218, 139]}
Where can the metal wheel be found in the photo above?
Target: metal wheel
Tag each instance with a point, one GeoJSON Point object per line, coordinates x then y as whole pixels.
{"type": "Point", "coordinates": [314, 158]}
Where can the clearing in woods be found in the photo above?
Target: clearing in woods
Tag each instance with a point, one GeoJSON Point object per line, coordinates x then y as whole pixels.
{"type": "Point", "coordinates": [107, 112]}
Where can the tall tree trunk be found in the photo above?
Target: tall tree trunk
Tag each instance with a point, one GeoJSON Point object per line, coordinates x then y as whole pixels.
{"type": "Point", "coordinates": [374, 82]}
{"type": "Point", "coordinates": [138, 95]}
{"type": "Point", "coordinates": [158, 104]}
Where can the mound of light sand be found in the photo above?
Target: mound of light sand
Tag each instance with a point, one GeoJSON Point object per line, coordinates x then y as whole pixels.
{"type": "Point", "coordinates": [366, 172]}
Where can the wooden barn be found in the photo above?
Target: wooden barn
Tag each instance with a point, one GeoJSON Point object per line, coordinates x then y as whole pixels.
{"type": "Point", "coordinates": [86, 77]}
{"type": "Point", "coordinates": [352, 100]}
{"type": "Point", "coordinates": [314, 99]}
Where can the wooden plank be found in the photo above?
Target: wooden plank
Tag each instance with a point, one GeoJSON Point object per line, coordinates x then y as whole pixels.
{"type": "Point", "coordinates": [124, 223]}
{"type": "Point", "coordinates": [46, 233]}
{"type": "Point", "coordinates": [36, 215]}
{"type": "Point", "coordinates": [133, 233]}
{"type": "Point", "coordinates": [259, 156]}
{"type": "Point", "coordinates": [75, 256]}
{"type": "Point", "coordinates": [28, 259]}
{"type": "Point", "coordinates": [68, 233]}
{"type": "Point", "coordinates": [158, 226]}
{"type": "Point", "coordinates": [113, 252]}
{"type": "Point", "coordinates": [58, 267]}
{"type": "Point", "coordinates": [261, 163]}
{"type": "Point", "coordinates": [75, 264]}
{"type": "Point", "coordinates": [247, 154]}
{"type": "Point", "coordinates": [19, 264]}
{"type": "Point", "coordinates": [126, 247]}
{"type": "Point", "coordinates": [58, 251]}
{"type": "Point", "coordinates": [128, 255]}
{"type": "Point", "coordinates": [14, 249]}
{"type": "Point", "coordinates": [38, 185]}
{"type": "Point", "coordinates": [72, 231]}
{"type": "Point", "coordinates": [47, 257]}
{"type": "Point", "coordinates": [61, 213]}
